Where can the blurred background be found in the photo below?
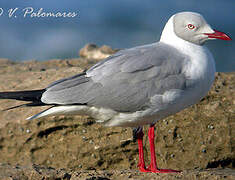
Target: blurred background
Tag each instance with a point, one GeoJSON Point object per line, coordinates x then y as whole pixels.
{"type": "Point", "coordinates": [117, 23]}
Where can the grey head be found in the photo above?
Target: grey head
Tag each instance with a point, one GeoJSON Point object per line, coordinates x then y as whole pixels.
{"type": "Point", "coordinates": [192, 27]}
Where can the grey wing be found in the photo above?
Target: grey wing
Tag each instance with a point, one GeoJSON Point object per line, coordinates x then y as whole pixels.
{"type": "Point", "coordinates": [125, 81]}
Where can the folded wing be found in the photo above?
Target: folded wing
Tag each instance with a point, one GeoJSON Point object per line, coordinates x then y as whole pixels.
{"type": "Point", "coordinates": [125, 81]}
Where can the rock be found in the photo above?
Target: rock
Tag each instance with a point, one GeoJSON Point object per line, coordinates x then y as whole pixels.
{"type": "Point", "coordinates": [36, 172]}
{"type": "Point", "coordinates": [92, 51]}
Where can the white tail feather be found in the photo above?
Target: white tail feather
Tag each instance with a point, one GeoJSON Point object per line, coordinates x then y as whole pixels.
{"type": "Point", "coordinates": [59, 110]}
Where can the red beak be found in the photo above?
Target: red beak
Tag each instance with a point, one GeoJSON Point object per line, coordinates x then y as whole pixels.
{"type": "Point", "coordinates": [218, 35]}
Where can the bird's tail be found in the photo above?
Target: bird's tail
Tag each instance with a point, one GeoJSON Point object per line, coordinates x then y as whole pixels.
{"type": "Point", "coordinates": [34, 96]}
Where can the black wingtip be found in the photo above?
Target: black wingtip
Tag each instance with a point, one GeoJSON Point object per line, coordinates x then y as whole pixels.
{"type": "Point", "coordinates": [25, 105]}
{"type": "Point", "coordinates": [32, 95]}
{"type": "Point", "coordinates": [22, 105]}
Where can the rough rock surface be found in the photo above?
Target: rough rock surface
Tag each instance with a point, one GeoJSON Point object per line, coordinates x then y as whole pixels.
{"type": "Point", "coordinates": [36, 172]}
{"type": "Point", "coordinates": [198, 140]}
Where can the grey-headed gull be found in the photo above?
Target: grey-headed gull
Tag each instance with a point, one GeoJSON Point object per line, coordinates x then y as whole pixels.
{"type": "Point", "coordinates": [138, 86]}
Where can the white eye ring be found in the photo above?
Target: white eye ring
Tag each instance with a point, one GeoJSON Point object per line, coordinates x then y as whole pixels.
{"type": "Point", "coordinates": [190, 26]}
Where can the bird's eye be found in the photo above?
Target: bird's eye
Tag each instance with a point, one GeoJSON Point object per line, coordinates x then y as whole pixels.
{"type": "Point", "coordinates": [190, 26]}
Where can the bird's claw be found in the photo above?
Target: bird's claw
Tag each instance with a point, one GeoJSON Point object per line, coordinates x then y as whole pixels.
{"type": "Point", "coordinates": [156, 170]}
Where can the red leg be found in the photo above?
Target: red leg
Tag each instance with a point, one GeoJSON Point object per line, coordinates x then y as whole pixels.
{"type": "Point", "coordinates": [153, 165]}
{"type": "Point", "coordinates": [141, 163]}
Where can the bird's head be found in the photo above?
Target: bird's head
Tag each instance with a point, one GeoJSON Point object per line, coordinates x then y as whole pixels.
{"type": "Point", "coordinates": [193, 27]}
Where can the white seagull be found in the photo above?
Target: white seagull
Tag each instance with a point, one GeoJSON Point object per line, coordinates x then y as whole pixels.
{"type": "Point", "coordinates": [138, 86]}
